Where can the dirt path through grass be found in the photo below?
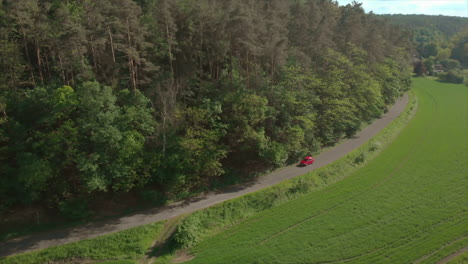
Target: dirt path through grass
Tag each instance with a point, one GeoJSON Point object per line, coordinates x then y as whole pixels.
{"type": "Point", "coordinates": [60, 237]}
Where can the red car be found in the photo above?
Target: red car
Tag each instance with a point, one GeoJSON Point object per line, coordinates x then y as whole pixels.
{"type": "Point", "coordinates": [309, 160]}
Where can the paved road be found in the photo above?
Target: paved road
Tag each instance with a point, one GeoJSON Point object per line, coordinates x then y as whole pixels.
{"type": "Point", "coordinates": [54, 238]}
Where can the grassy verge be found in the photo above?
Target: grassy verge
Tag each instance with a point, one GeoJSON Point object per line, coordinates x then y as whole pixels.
{"type": "Point", "coordinates": [122, 247]}
{"type": "Point", "coordinates": [206, 222]}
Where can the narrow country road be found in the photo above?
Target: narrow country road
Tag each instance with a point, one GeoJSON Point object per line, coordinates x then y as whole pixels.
{"type": "Point", "coordinates": [60, 237]}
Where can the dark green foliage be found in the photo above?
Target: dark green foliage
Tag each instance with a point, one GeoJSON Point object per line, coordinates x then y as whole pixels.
{"type": "Point", "coordinates": [420, 68]}
{"type": "Point", "coordinates": [450, 64]}
{"type": "Point", "coordinates": [74, 209]}
{"type": "Point", "coordinates": [177, 96]}
{"type": "Point", "coordinates": [80, 142]}
{"type": "Point", "coordinates": [153, 197]}
{"type": "Point", "coordinates": [460, 47]}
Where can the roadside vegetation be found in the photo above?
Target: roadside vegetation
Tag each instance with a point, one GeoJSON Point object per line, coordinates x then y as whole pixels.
{"type": "Point", "coordinates": [408, 204]}
{"type": "Point", "coordinates": [125, 247]}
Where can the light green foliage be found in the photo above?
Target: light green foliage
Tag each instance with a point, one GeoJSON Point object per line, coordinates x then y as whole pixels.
{"type": "Point", "coordinates": [293, 122]}
{"type": "Point", "coordinates": [390, 78]}
{"type": "Point", "coordinates": [443, 54]}
{"type": "Point", "coordinates": [406, 204]}
{"type": "Point", "coordinates": [348, 93]}
{"type": "Point", "coordinates": [429, 66]}
{"type": "Point", "coordinates": [113, 138]}
{"type": "Point", "coordinates": [245, 114]}
{"type": "Point", "coordinates": [200, 147]}
{"type": "Point", "coordinates": [124, 247]}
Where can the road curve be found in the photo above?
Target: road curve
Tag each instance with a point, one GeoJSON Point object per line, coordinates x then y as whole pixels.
{"type": "Point", "coordinates": [60, 237]}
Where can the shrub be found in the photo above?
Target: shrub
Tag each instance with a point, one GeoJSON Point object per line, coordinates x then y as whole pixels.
{"type": "Point", "coordinates": [454, 76]}
{"type": "Point", "coordinates": [360, 158]}
{"type": "Point", "coordinates": [188, 232]}
{"type": "Point", "coordinates": [373, 146]}
{"type": "Point", "coordinates": [450, 64]}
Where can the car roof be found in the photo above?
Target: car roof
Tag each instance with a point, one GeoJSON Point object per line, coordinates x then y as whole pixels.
{"type": "Point", "coordinates": [308, 157]}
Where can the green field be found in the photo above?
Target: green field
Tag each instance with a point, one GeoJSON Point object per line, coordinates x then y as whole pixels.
{"type": "Point", "coordinates": [407, 205]}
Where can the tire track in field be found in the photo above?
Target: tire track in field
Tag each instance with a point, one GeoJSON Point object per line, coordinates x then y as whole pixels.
{"type": "Point", "coordinates": [405, 159]}
{"type": "Point", "coordinates": [398, 241]}
{"type": "Point", "coordinates": [394, 219]}
{"type": "Point", "coordinates": [373, 187]}
{"type": "Point", "coordinates": [454, 255]}
{"type": "Point", "coordinates": [421, 259]}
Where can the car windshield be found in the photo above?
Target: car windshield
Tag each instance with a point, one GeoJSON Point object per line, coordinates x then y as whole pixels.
{"type": "Point", "coordinates": [306, 159]}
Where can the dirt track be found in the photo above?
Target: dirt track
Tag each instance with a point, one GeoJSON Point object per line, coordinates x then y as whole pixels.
{"type": "Point", "coordinates": [60, 237]}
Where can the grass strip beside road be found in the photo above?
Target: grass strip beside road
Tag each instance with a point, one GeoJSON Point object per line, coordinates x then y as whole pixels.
{"type": "Point", "coordinates": [121, 247]}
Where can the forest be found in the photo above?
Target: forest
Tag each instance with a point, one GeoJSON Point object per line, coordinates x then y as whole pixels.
{"type": "Point", "coordinates": [165, 98]}
{"type": "Point", "coordinates": [441, 42]}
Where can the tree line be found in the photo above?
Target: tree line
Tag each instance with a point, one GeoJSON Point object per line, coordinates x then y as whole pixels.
{"type": "Point", "coordinates": [439, 41]}
{"type": "Point", "coordinates": [164, 97]}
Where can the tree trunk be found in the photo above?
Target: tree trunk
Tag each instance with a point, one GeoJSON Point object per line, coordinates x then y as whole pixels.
{"type": "Point", "coordinates": [48, 67]}
{"type": "Point", "coordinates": [62, 70]}
{"type": "Point", "coordinates": [112, 42]}
{"type": "Point", "coordinates": [169, 40]}
{"type": "Point", "coordinates": [131, 61]}
{"type": "Point", "coordinates": [94, 56]}
{"type": "Point", "coordinates": [247, 69]}
{"type": "Point", "coordinates": [29, 58]}
{"type": "Point", "coordinates": [39, 63]}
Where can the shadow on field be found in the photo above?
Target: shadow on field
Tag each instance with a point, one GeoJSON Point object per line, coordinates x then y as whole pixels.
{"type": "Point", "coordinates": [237, 187]}
{"type": "Point", "coordinates": [47, 239]}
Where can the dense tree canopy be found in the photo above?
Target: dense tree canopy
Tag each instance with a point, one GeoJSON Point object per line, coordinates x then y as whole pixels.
{"type": "Point", "coordinates": [175, 96]}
